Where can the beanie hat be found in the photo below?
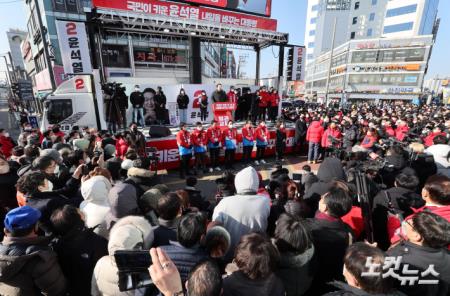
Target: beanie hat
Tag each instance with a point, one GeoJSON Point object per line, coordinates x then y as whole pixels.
{"type": "Point", "coordinates": [21, 218]}
{"type": "Point", "coordinates": [110, 149]}
{"type": "Point", "coordinates": [127, 164]}
{"type": "Point", "coordinates": [150, 198]}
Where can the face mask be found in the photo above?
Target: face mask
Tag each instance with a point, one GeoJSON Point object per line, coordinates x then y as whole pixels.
{"type": "Point", "coordinates": [135, 129]}
{"type": "Point", "coordinates": [56, 169]}
{"type": "Point", "coordinates": [49, 187]}
{"type": "Point", "coordinates": [4, 169]}
{"type": "Point", "coordinates": [136, 89]}
{"type": "Point", "coordinates": [28, 129]}
{"type": "Point", "coordinates": [87, 160]}
{"type": "Point", "coordinates": [6, 135]}
{"type": "Point", "coordinates": [231, 125]}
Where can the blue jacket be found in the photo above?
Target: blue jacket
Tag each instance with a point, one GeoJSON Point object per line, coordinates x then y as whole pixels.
{"type": "Point", "coordinates": [185, 259]}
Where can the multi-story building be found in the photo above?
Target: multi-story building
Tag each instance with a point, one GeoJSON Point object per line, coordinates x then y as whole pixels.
{"type": "Point", "coordinates": [15, 39]}
{"type": "Point", "coordinates": [383, 68]}
{"type": "Point", "coordinates": [374, 20]}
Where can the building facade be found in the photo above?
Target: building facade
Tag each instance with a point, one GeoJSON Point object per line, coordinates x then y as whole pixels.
{"type": "Point", "coordinates": [384, 68]}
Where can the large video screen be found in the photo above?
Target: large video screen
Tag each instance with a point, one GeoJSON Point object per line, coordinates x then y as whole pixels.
{"type": "Point", "coordinates": [261, 7]}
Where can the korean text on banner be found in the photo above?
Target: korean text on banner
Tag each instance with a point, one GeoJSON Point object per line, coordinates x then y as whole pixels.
{"type": "Point", "coordinates": [74, 48]}
{"type": "Point", "coordinates": [176, 10]}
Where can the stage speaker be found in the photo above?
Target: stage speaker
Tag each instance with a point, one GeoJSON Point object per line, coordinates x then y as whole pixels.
{"type": "Point", "coordinates": [159, 131]}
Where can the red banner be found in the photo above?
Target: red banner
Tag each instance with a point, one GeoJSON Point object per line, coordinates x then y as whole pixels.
{"type": "Point", "coordinates": [171, 9]}
{"type": "Point", "coordinates": [169, 157]}
{"type": "Point", "coordinates": [262, 7]}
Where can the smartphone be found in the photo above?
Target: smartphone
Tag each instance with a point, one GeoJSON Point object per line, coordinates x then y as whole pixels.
{"type": "Point", "coordinates": [133, 269]}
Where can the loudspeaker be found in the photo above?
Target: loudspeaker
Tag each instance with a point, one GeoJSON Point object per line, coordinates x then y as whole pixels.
{"type": "Point", "coordinates": [159, 131]}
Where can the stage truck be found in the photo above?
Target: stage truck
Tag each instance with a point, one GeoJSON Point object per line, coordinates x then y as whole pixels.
{"type": "Point", "coordinates": [79, 102]}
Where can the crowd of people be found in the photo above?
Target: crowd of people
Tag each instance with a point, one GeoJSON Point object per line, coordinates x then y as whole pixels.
{"type": "Point", "coordinates": [71, 204]}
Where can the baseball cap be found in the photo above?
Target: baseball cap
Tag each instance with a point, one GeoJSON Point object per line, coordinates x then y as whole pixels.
{"type": "Point", "coordinates": [21, 218]}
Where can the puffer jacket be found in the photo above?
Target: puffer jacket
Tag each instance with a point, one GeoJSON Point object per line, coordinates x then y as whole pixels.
{"type": "Point", "coordinates": [330, 133]}
{"type": "Point", "coordinates": [96, 205]}
{"type": "Point", "coordinates": [129, 233]}
{"type": "Point", "coordinates": [296, 271]}
{"type": "Point", "coordinates": [28, 267]}
{"type": "Point", "coordinates": [315, 132]}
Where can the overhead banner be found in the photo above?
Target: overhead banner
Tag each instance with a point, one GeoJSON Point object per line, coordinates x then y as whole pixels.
{"type": "Point", "coordinates": [262, 7]}
{"type": "Point", "coordinates": [178, 10]}
{"type": "Point", "coordinates": [74, 47]}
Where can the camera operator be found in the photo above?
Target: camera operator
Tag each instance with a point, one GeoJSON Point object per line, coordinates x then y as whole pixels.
{"type": "Point", "coordinates": [349, 135]}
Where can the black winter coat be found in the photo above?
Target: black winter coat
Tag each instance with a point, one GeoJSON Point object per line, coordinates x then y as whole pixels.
{"type": "Point", "coordinates": [331, 239]}
{"type": "Point", "coordinates": [182, 101]}
{"type": "Point", "coordinates": [78, 252]}
{"type": "Point", "coordinates": [300, 131]}
{"type": "Point", "coordinates": [237, 284]}
{"type": "Point", "coordinates": [137, 99]}
{"type": "Point", "coordinates": [165, 232]}
{"type": "Point", "coordinates": [420, 258]}
{"type": "Point", "coordinates": [350, 137]}
{"type": "Point", "coordinates": [346, 290]}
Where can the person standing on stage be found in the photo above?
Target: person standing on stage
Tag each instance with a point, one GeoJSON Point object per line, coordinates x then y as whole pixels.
{"type": "Point", "coordinates": [183, 103]}
{"type": "Point", "coordinates": [248, 141]}
{"type": "Point", "coordinates": [273, 106]}
{"type": "Point", "coordinates": [262, 140]}
{"type": "Point", "coordinates": [214, 135]}
{"type": "Point", "coordinates": [219, 95]}
{"type": "Point", "coordinates": [185, 149]}
{"type": "Point", "coordinates": [263, 103]}
{"type": "Point", "coordinates": [229, 136]}
{"type": "Point", "coordinates": [203, 106]}
{"type": "Point", "coordinates": [232, 95]}
{"type": "Point", "coordinates": [199, 140]}
{"type": "Point", "coordinates": [280, 142]}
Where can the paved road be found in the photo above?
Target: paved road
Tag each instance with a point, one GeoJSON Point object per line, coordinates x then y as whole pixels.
{"type": "Point", "coordinates": [7, 120]}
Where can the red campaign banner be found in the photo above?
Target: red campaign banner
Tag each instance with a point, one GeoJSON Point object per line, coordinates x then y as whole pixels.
{"type": "Point", "coordinates": [169, 157]}
{"type": "Point", "coordinates": [171, 9]}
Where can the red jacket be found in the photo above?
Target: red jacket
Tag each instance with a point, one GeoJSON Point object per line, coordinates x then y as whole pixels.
{"type": "Point", "coordinates": [401, 131]}
{"type": "Point", "coordinates": [334, 133]}
{"type": "Point", "coordinates": [214, 135]}
{"type": "Point", "coordinates": [315, 132]}
{"type": "Point", "coordinates": [184, 139]}
{"type": "Point", "coordinates": [121, 148]}
{"type": "Point", "coordinates": [6, 146]}
{"type": "Point", "coordinates": [262, 133]}
{"type": "Point", "coordinates": [230, 133]}
{"type": "Point", "coordinates": [199, 138]}
{"type": "Point", "coordinates": [368, 141]}
{"type": "Point", "coordinates": [265, 99]}
{"type": "Point", "coordinates": [232, 97]}
{"type": "Point", "coordinates": [274, 99]}
{"type": "Point", "coordinates": [429, 139]}
{"type": "Point", "coordinates": [355, 220]}
{"type": "Point", "coordinates": [389, 131]}
{"type": "Point", "coordinates": [248, 133]}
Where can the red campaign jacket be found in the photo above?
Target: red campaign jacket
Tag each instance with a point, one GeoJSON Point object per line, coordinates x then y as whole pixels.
{"type": "Point", "coordinates": [400, 132]}
{"type": "Point", "coordinates": [368, 141]}
{"type": "Point", "coordinates": [184, 139]}
{"type": "Point", "coordinates": [274, 99]}
{"type": "Point", "coordinates": [121, 147]}
{"type": "Point", "coordinates": [232, 97]}
{"type": "Point", "coordinates": [6, 146]}
{"type": "Point", "coordinates": [262, 134]}
{"type": "Point", "coordinates": [265, 99]}
{"type": "Point", "coordinates": [230, 133]}
{"type": "Point", "coordinates": [429, 139]}
{"type": "Point", "coordinates": [199, 138]}
{"type": "Point", "coordinates": [248, 133]}
{"type": "Point", "coordinates": [389, 131]}
{"type": "Point", "coordinates": [315, 132]}
{"type": "Point", "coordinates": [214, 135]}
{"type": "Point", "coordinates": [335, 133]}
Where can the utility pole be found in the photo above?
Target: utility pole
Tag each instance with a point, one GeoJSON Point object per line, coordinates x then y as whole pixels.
{"type": "Point", "coordinates": [331, 60]}
{"type": "Point", "coordinates": [43, 33]}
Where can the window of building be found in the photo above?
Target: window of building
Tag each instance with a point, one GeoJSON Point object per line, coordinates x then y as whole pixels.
{"type": "Point", "coordinates": [374, 2]}
{"type": "Point", "coordinates": [352, 35]}
{"type": "Point", "coordinates": [311, 44]}
{"type": "Point", "coordinates": [315, 7]}
{"type": "Point", "coordinates": [369, 32]}
{"type": "Point", "coordinates": [310, 56]}
{"type": "Point", "coordinates": [313, 20]}
{"type": "Point", "coordinates": [398, 28]}
{"type": "Point", "coordinates": [372, 17]}
{"type": "Point", "coordinates": [401, 10]}
{"type": "Point", "coordinates": [355, 20]}
{"type": "Point", "coordinates": [312, 32]}
{"type": "Point", "coordinates": [357, 5]}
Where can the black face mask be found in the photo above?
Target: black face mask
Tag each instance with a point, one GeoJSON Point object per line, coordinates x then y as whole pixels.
{"type": "Point", "coordinates": [134, 129]}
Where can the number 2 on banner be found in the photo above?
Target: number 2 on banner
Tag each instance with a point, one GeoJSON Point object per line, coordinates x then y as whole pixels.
{"type": "Point", "coordinates": [71, 29]}
{"type": "Point", "coordinates": [79, 83]}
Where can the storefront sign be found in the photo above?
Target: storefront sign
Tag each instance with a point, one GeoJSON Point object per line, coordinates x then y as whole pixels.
{"type": "Point", "coordinates": [389, 68]}
{"type": "Point", "coordinates": [74, 48]}
{"type": "Point", "coordinates": [176, 10]}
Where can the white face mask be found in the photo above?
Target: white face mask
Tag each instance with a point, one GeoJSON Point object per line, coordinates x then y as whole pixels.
{"type": "Point", "coordinates": [48, 188]}
{"type": "Point", "coordinates": [136, 89]}
{"type": "Point", "coordinates": [231, 125]}
{"type": "Point", "coordinates": [56, 169]}
{"type": "Point", "coordinates": [6, 135]}
{"type": "Point", "coordinates": [199, 128]}
{"type": "Point", "coordinates": [87, 160]}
